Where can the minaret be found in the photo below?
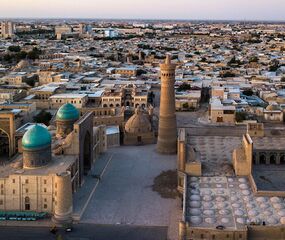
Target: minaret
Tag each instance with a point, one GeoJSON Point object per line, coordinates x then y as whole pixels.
{"type": "Point", "coordinates": [167, 131]}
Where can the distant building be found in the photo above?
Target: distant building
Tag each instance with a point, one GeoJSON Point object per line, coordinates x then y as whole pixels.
{"type": "Point", "coordinates": [62, 30]}
{"type": "Point", "coordinates": [111, 33]}
{"type": "Point", "coordinates": [221, 113]}
{"type": "Point", "coordinates": [7, 29]}
{"type": "Point", "coordinates": [129, 71]}
{"type": "Point", "coordinates": [77, 99]}
{"type": "Point", "coordinates": [128, 96]}
{"type": "Point", "coordinates": [273, 113]}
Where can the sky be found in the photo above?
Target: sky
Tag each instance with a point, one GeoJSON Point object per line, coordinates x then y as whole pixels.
{"type": "Point", "coordinates": [145, 9]}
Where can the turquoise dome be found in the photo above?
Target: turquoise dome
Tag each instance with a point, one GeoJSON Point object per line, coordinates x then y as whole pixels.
{"type": "Point", "coordinates": [67, 112]}
{"type": "Point", "coordinates": [36, 137]}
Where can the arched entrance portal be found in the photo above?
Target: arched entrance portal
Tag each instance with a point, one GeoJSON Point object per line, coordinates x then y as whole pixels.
{"type": "Point", "coordinates": [87, 153]}
{"type": "Point", "coordinates": [4, 145]}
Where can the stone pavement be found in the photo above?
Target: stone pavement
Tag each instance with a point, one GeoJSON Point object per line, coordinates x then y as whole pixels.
{"type": "Point", "coordinates": [124, 195]}
{"type": "Point", "coordinates": [84, 194]}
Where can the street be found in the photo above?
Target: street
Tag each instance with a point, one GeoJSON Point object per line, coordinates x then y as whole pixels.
{"type": "Point", "coordinates": [86, 232]}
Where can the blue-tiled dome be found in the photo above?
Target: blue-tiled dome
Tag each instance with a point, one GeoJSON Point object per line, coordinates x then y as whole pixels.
{"type": "Point", "coordinates": [67, 112]}
{"type": "Point", "coordinates": [36, 137]}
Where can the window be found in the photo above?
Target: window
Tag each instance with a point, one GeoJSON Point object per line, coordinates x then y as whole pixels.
{"type": "Point", "coordinates": [2, 192]}
{"type": "Point", "coordinates": [14, 180]}
{"type": "Point", "coordinates": [1, 202]}
{"type": "Point", "coordinates": [45, 181]}
{"type": "Point", "coordinates": [14, 191]}
{"type": "Point", "coordinates": [45, 206]}
{"type": "Point", "coordinates": [45, 190]}
{"type": "Point", "coordinates": [45, 200]}
{"type": "Point", "coordinates": [27, 203]}
{"type": "Point", "coordinates": [27, 181]}
{"type": "Point", "coordinates": [27, 190]}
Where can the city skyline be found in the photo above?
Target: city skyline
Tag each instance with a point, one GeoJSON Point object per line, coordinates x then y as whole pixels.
{"type": "Point", "coordinates": [256, 10]}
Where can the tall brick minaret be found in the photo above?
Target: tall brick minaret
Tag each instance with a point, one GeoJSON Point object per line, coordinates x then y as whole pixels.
{"type": "Point", "coordinates": [167, 130]}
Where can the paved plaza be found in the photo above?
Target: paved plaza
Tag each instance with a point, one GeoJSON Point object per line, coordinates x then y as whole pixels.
{"type": "Point", "coordinates": [124, 195]}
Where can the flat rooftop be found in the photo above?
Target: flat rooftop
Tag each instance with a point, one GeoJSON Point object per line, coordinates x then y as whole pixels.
{"type": "Point", "coordinates": [269, 177]}
{"type": "Point", "coordinates": [268, 143]}
{"type": "Point", "coordinates": [229, 201]}
{"type": "Point", "coordinates": [59, 163]}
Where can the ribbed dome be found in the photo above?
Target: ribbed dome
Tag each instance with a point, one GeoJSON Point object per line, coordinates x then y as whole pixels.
{"type": "Point", "coordinates": [36, 137]}
{"type": "Point", "coordinates": [138, 123]}
{"type": "Point", "coordinates": [67, 112]}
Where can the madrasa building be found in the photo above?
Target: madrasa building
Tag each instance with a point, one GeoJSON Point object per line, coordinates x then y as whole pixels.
{"type": "Point", "coordinates": [51, 164]}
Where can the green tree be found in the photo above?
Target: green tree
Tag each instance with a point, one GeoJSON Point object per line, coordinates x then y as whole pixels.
{"type": "Point", "coordinates": [184, 87]}
{"type": "Point", "coordinates": [274, 65]}
{"type": "Point", "coordinates": [31, 82]}
{"type": "Point", "coordinates": [43, 117]}
{"type": "Point", "coordinates": [185, 105]}
{"type": "Point", "coordinates": [248, 92]}
{"type": "Point", "coordinates": [34, 54]}
{"type": "Point", "coordinates": [21, 55]}
{"type": "Point", "coordinates": [253, 59]}
{"type": "Point", "coordinates": [240, 116]}
{"type": "Point", "coordinates": [8, 57]}
{"type": "Point", "coordinates": [14, 48]}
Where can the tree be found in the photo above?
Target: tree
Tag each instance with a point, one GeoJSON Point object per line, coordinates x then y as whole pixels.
{"type": "Point", "coordinates": [185, 105]}
{"type": "Point", "coordinates": [30, 81]}
{"type": "Point", "coordinates": [43, 117]}
{"type": "Point", "coordinates": [7, 57]}
{"type": "Point", "coordinates": [274, 65]}
{"type": "Point", "coordinates": [21, 55]}
{"type": "Point", "coordinates": [248, 92]}
{"type": "Point", "coordinates": [234, 61]}
{"type": "Point", "coordinates": [14, 48]}
{"type": "Point", "coordinates": [184, 87]}
{"type": "Point", "coordinates": [253, 59]}
{"type": "Point", "coordinates": [240, 116]}
{"type": "Point", "coordinates": [34, 54]}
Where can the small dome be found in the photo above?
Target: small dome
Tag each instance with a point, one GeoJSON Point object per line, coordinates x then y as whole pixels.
{"type": "Point", "coordinates": [67, 112]}
{"type": "Point", "coordinates": [138, 123]}
{"type": "Point", "coordinates": [36, 137]}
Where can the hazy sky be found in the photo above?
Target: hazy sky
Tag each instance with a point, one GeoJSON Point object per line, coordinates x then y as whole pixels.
{"type": "Point", "coordinates": [154, 9]}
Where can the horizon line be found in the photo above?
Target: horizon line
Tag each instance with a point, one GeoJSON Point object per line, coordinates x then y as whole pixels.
{"type": "Point", "coordinates": [141, 19]}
